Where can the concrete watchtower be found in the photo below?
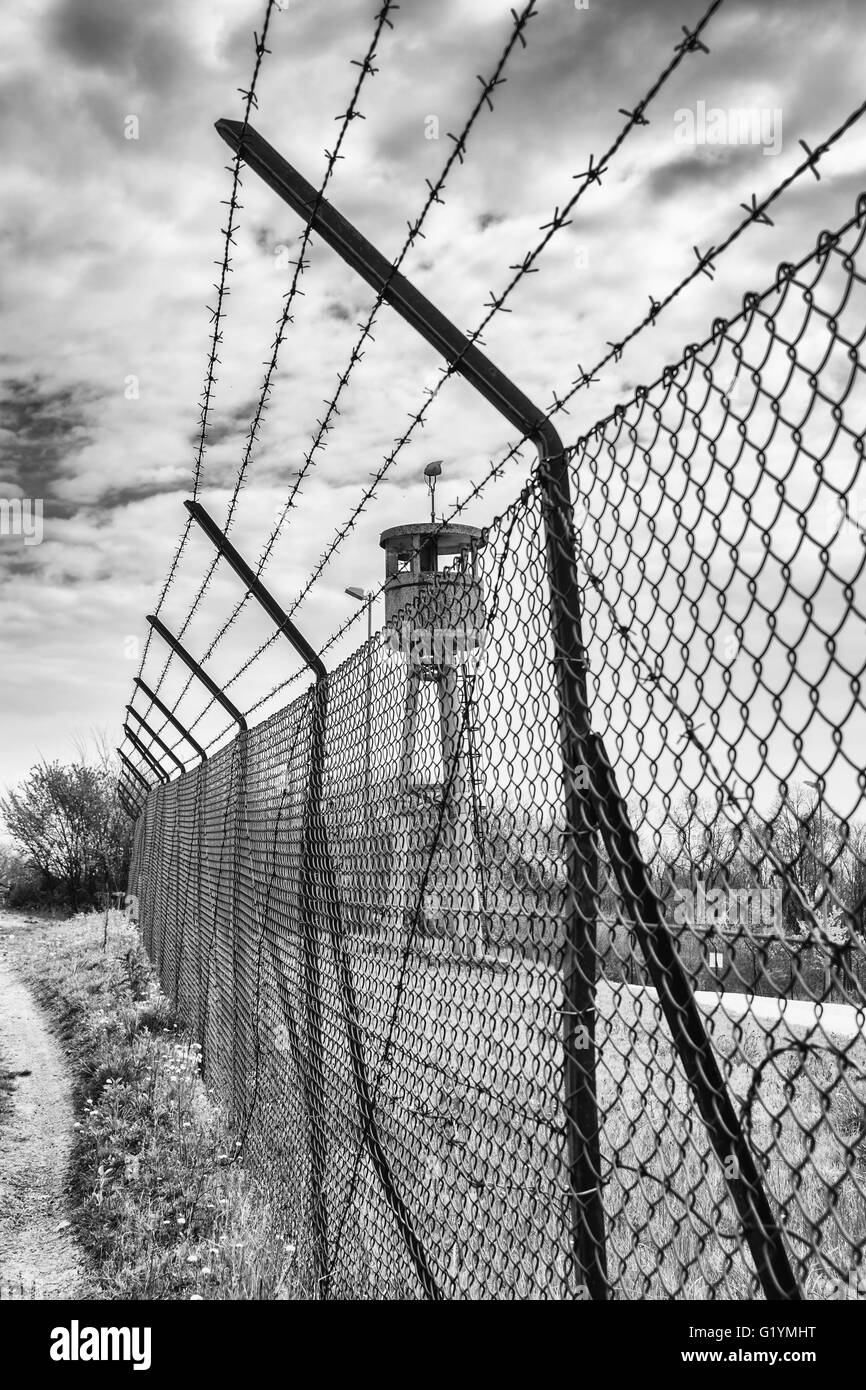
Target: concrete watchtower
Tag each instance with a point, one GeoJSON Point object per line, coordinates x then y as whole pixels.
{"type": "Point", "coordinates": [432, 586]}
{"type": "Point", "coordinates": [434, 608]}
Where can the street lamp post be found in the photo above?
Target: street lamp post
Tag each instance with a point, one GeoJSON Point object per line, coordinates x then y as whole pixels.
{"type": "Point", "coordinates": [367, 597]}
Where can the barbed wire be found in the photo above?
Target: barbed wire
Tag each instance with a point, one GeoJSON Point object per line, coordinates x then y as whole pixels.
{"type": "Point", "coordinates": [488, 86]}
{"type": "Point", "coordinates": [496, 305]}
{"type": "Point", "coordinates": [217, 310]}
{"type": "Point", "coordinates": [689, 44]}
{"type": "Point", "coordinates": [366, 68]}
{"type": "Point", "coordinates": [755, 214]}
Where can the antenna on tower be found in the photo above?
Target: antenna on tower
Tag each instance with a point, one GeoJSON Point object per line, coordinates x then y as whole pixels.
{"type": "Point", "coordinates": [431, 473]}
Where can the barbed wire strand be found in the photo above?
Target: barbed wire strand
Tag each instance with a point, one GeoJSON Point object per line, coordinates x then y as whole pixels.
{"type": "Point", "coordinates": [366, 68]}
{"type": "Point", "coordinates": [217, 312]}
{"type": "Point", "coordinates": [689, 44]}
{"type": "Point", "coordinates": [496, 305]}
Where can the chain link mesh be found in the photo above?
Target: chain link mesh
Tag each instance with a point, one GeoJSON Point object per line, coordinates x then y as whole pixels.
{"type": "Point", "coordinates": [365, 912]}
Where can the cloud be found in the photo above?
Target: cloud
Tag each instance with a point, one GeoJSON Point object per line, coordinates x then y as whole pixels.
{"type": "Point", "coordinates": [43, 429]}
{"type": "Point", "coordinates": [138, 42]}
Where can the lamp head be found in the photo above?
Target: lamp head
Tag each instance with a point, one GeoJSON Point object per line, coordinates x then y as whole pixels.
{"type": "Point", "coordinates": [431, 473]}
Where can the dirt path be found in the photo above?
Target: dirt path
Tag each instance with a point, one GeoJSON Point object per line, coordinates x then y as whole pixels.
{"type": "Point", "coordinates": [38, 1255]}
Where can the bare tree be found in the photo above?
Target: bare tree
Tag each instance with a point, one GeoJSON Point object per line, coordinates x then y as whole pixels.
{"type": "Point", "coordinates": [69, 822]}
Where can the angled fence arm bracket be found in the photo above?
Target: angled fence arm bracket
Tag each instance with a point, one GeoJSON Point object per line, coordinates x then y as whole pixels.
{"type": "Point", "coordinates": [130, 767]}
{"type": "Point", "coordinates": [127, 800]}
{"type": "Point", "coordinates": [172, 719]}
{"type": "Point", "coordinates": [155, 738]}
{"type": "Point", "coordinates": [256, 588]}
{"type": "Point", "coordinates": [129, 790]}
{"type": "Point", "coordinates": [145, 753]}
{"type": "Point", "coordinates": [192, 665]}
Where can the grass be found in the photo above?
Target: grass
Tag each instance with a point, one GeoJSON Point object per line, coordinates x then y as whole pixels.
{"type": "Point", "coordinates": [161, 1204]}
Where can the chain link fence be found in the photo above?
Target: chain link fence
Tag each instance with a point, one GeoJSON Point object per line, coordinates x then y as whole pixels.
{"type": "Point", "coordinates": [490, 1027]}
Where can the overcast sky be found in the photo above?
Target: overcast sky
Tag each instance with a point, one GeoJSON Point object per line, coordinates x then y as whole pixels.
{"type": "Point", "coordinates": [108, 248]}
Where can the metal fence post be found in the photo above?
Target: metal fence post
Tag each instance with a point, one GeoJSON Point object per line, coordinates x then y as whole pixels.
{"type": "Point", "coordinates": [311, 1064]}
{"type": "Point", "coordinates": [222, 699]}
{"type": "Point", "coordinates": [241, 750]}
{"type": "Point", "coordinates": [319, 884]}
{"type": "Point", "coordinates": [580, 961]}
